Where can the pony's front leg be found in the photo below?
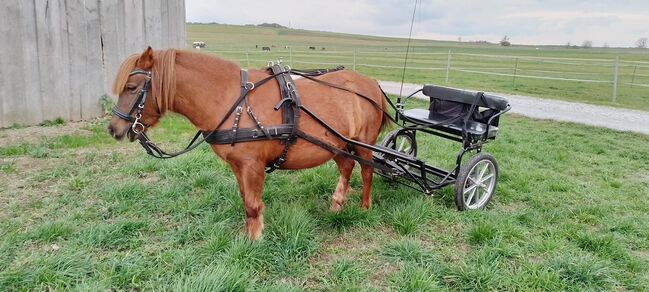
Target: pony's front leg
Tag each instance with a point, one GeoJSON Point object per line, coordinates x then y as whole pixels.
{"type": "Point", "coordinates": [250, 176]}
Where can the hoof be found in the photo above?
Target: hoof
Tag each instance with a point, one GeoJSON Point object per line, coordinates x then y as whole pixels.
{"type": "Point", "coordinates": [255, 236]}
{"type": "Point", "coordinates": [254, 228]}
{"type": "Point", "coordinates": [336, 206]}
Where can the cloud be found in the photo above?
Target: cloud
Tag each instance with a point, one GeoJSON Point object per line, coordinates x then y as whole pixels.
{"type": "Point", "coordinates": [571, 15]}
{"type": "Point", "coordinates": [618, 23]}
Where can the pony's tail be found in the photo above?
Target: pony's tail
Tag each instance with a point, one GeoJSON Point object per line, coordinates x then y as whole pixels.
{"type": "Point", "coordinates": [385, 121]}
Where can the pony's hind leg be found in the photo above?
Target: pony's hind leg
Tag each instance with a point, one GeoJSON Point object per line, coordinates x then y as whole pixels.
{"type": "Point", "coordinates": [338, 198]}
{"type": "Point", "coordinates": [250, 176]}
{"type": "Point", "coordinates": [367, 172]}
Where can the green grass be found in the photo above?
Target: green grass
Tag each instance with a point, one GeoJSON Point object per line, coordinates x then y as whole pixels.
{"type": "Point", "coordinates": [215, 278]}
{"type": "Point", "coordinates": [50, 123]}
{"type": "Point", "coordinates": [238, 43]}
{"type": "Point", "coordinates": [50, 146]}
{"type": "Point", "coordinates": [570, 213]}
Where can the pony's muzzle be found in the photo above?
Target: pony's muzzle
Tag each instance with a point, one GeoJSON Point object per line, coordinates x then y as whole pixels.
{"type": "Point", "coordinates": [119, 129]}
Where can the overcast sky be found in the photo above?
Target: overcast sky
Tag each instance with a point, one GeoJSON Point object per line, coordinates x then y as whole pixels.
{"type": "Point", "coordinates": [614, 22]}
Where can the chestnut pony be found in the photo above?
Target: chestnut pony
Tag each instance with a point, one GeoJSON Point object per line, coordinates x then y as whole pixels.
{"type": "Point", "coordinates": [203, 87]}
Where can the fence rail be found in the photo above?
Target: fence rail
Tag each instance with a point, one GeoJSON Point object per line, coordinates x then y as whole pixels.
{"type": "Point", "coordinates": [607, 72]}
{"type": "Point", "coordinates": [531, 76]}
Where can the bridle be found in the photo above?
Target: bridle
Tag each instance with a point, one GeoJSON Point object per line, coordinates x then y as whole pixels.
{"type": "Point", "coordinates": [137, 127]}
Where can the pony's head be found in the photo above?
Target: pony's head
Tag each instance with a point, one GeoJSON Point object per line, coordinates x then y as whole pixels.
{"type": "Point", "coordinates": [145, 85]}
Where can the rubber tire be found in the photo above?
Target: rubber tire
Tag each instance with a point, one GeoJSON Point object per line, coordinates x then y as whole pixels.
{"type": "Point", "coordinates": [392, 136]}
{"type": "Point", "coordinates": [462, 176]}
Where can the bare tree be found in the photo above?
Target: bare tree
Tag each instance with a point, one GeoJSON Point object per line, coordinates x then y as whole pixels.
{"type": "Point", "coordinates": [641, 43]}
{"type": "Point", "coordinates": [505, 42]}
{"type": "Point", "coordinates": [587, 44]}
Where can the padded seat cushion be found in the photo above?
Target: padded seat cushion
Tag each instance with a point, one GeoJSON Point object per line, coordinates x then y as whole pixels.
{"type": "Point", "coordinates": [440, 122]}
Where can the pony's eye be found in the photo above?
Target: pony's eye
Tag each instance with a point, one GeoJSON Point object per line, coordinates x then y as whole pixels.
{"type": "Point", "coordinates": [130, 87]}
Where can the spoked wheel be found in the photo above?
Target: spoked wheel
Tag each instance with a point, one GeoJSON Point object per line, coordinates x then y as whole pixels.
{"type": "Point", "coordinates": [476, 182]}
{"type": "Point", "coordinates": [401, 140]}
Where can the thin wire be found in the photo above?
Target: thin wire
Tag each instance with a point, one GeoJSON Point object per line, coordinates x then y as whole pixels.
{"type": "Point", "coordinates": [405, 61]}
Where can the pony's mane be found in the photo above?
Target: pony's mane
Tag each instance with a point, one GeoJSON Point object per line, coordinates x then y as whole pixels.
{"type": "Point", "coordinates": [163, 83]}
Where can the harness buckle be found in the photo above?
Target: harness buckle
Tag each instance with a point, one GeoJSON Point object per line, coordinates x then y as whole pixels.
{"type": "Point", "coordinates": [281, 102]}
{"type": "Point", "coordinates": [280, 160]}
{"type": "Point", "coordinates": [137, 127]}
{"type": "Point", "coordinates": [249, 86]}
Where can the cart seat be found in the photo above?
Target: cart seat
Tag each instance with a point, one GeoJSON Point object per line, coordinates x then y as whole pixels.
{"type": "Point", "coordinates": [463, 96]}
{"type": "Point", "coordinates": [439, 122]}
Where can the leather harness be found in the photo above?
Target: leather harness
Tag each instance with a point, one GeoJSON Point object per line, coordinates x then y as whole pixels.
{"type": "Point", "coordinates": [289, 104]}
{"type": "Point", "coordinates": [287, 132]}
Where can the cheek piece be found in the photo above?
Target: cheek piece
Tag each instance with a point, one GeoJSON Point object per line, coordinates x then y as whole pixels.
{"type": "Point", "coordinates": [138, 105]}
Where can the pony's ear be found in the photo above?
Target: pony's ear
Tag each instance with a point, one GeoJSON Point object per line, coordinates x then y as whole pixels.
{"type": "Point", "coordinates": [146, 59]}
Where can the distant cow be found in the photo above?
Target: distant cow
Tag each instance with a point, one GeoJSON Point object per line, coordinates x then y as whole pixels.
{"type": "Point", "coordinates": [323, 48]}
{"type": "Point", "coordinates": [198, 45]}
{"type": "Point", "coordinates": [265, 49]}
{"type": "Point", "coordinates": [311, 48]}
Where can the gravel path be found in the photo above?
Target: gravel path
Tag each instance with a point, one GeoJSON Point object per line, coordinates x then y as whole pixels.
{"type": "Point", "coordinates": [534, 107]}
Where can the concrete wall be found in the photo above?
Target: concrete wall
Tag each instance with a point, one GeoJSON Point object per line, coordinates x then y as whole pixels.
{"type": "Point", "coordinates": [58, 57]}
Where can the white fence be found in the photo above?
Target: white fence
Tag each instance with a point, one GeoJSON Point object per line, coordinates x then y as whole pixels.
{"type": "Point", "coordinates": [57, 58]}
{"type": "Point", "coordinates": [607, 72]}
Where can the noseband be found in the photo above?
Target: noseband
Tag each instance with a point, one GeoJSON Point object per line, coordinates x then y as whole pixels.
{"type": "Point", "coordinates": [138, 105]}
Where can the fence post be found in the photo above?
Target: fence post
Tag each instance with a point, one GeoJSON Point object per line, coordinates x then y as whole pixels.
{"type": "Point", "coordinates": [448, 65]}
{"type": "Point", "coordinates": [290, 56]}
{"type": "Point", "coordinates": [615, 73]}
{"type": "Point", "coordinates": [248, 58]}
{"type": "Point", "coordinates": [633, 75]}
{"type": "Point", "coordinates": [515, 70]}
{"type": "Point", "coordinates": [354, 64]}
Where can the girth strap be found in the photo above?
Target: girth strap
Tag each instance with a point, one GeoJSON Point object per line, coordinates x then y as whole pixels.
{"type": "Point", "coordinates": [290, 106]}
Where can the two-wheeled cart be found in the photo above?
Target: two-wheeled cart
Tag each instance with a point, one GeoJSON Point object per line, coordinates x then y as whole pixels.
{"type": "Point", "coordinates": [470, 118]}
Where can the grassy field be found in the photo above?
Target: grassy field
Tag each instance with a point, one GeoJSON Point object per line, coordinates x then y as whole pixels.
{"type": "Point", "coordinates": [80, 211]}
{"type": "Point", "coordinates": [429, 62]}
